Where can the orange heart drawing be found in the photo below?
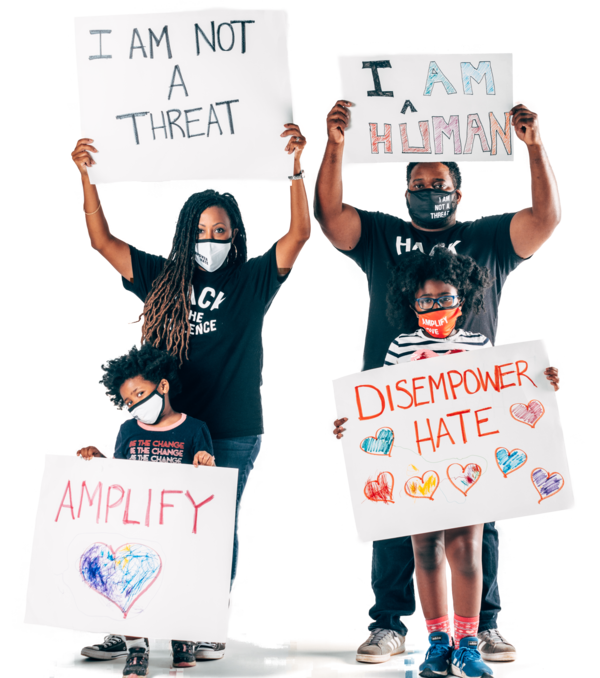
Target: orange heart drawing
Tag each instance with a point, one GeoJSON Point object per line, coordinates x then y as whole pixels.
{"type": "Point", "coordinates": [463, 477]}
{"type": "Point", "coordinates": [423, 487]}
{"type": "Point", "coordinates": [528, 414]}
{"type": "Point", "coordinates": [546, 483]}
{"type": "Point", "coordinates": [380, 489]}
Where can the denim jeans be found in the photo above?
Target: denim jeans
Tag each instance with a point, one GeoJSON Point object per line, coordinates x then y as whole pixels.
{"type": "Point", "coordinates": [392, 582]}
{"type": "Point", "coordinates": [239, 453]}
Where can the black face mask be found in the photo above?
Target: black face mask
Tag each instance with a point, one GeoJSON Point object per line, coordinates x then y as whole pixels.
{"type": "Point", "coordinates": [430, 208]}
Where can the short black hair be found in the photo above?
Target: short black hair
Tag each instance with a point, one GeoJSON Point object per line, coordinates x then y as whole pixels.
{"type": "Point", "coordinates": [452, 166]}
{"type": "Point", "coordinates": [442, 264]}
{"type": "Point", "coordinates": [148, 362]}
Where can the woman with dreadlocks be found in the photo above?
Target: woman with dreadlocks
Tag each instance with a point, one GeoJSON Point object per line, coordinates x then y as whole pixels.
{"type": "Point", "coordinates": [205, 304]}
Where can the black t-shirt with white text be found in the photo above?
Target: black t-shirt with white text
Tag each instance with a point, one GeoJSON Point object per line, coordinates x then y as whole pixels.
{"type": "Point", "coordinates": [386, 240]}
{"type": "Point", "coordinates": [221, 378]}
{"type": "Point", "coordinates": [175, 444]}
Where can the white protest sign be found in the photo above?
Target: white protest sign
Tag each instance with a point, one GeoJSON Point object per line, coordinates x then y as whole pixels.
{"type": "Point", "coordinates": [141, 549]}
{"type": "Point", "coordinates": [186, 95]}
{"type": "Point", "coordinates": [428, 108]}
{"type": "Point", "coordinates": [458, 440]}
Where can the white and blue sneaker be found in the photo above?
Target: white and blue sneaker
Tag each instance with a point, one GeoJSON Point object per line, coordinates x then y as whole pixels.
{"type": "Point", "coordinates": [437, 659]}
{"type": "Point", "coordinates": [467, 662]}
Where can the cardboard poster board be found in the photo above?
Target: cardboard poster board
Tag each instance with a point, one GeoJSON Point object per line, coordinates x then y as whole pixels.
{"type": "Point", "coordinates": [450, 441]}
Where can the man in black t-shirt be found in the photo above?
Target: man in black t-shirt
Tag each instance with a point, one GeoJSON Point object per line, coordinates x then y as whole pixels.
{"type": "Point", "coordinates": [374, 241]}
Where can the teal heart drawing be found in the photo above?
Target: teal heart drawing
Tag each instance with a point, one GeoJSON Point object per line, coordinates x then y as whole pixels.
{"type": "Point", "coordinates": [381, 444]}
{"type": "Point", "coordinates": [509, 461]}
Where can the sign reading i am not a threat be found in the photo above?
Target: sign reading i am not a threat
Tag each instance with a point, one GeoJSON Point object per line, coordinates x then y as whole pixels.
{"type": "Point", "coordinates": [141, 548]}
{"type": "Point", "coordinates": [428, 108]}
{"type": "Point", "coordinates": [187, 95]}
{"type": "Point", "coordinates": [451, 441]}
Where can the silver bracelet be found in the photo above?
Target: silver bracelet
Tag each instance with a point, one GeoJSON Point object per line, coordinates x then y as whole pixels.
{"type": "Point", "coordinates": [295, 177]}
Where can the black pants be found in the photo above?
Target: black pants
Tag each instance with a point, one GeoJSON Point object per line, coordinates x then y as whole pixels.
{"type": "Point", "coordinates": [392, 582]}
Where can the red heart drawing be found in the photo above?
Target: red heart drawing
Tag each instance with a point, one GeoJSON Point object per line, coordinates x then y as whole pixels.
{"type": "Point", "coordinates": [380, 489]}
{"type": "Point", "coordinates": [463, 477]}
{"type": "Point", "coordinates": [528, 414]}
{"type": "Point", "coordinates": [423, 487]}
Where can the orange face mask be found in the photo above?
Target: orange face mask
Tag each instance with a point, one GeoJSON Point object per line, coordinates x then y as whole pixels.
{"type": "Point", "coordinates": [439, 323]}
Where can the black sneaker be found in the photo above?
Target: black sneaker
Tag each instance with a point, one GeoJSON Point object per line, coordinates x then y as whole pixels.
{"type": "Point", "coordinates": [210, 650]}
{"type": "Point", "coordinates": [183, 654]}
{"type": "Point", "coordinates": [112, 647]}
{"type": "Point", "coordinates": [137, 662]}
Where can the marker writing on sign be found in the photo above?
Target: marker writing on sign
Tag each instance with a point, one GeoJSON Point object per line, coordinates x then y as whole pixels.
{"type": "Point", "coordinates": [115, 494]}
{"type": "Point", "coordinates": [452, 384]}
{"type": "Point", "coordinates": [176, 127]}
{"type": "Point", "coordinates": [223, 37]}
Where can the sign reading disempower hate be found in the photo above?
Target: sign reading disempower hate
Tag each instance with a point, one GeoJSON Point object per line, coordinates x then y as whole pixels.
{"type": "Point", "coordinates": [186, 95]}
{"type": "Point", "coordinates": [428, 107]}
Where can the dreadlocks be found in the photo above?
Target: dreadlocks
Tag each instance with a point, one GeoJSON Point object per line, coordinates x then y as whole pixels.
{"type": "Point", "coordinates": [167, 308]}
{"type": "Point", "coordinates": [457, 270]}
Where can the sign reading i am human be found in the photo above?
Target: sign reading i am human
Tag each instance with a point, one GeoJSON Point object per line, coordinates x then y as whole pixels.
{"type": "Point", "coordinates": [428, 108]}
{"type": "Point", "coordinates": [450, 441]}
{"type": "Point", "coordinates": [135, 548]}
{"type": "Point", "coordinates": [186, 95]}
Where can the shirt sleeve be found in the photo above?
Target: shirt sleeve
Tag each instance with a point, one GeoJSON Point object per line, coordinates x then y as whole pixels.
{"type": "Point", "coordinates": [261, 272]}
{"type": "Point", "coordinates": [146, 268]}
{"type": "Point", "coordinates": [121, 445]}
{"type": "Point", "coordinates": [363, 250]}
{"type": "Point", "coordinates": [508, 259]}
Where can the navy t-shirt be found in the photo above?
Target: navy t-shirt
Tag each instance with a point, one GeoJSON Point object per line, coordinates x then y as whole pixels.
{"type": "Point", "coordinates": [175, 444]}
{"type": "Point", "coordinates": [386, 240]}
{"type": "Point", "coordinates": [222, 376]}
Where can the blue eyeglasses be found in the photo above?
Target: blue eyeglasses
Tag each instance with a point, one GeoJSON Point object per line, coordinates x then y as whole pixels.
{"type": "Point", "coordinates": [447, 301]}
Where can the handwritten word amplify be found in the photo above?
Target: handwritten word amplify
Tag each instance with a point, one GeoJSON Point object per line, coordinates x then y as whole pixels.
{"type": "Point", "coordinates": [118, 494]}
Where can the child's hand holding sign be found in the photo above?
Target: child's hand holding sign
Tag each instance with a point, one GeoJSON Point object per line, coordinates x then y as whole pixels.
{"type": "Point", "coordinates": [203, 459]}
{"type": "Point", "coordinates": [88, 452]}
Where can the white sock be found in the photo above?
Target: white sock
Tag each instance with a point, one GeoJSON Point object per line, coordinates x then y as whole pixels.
{"type": "Point", "coordinates": [138, 642]}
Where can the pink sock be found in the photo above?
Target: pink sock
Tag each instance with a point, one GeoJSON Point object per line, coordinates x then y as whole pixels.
{"type": "Point", "coordinates": [464, 627]}
{"type": "Point", "coordinates": [439, 624]}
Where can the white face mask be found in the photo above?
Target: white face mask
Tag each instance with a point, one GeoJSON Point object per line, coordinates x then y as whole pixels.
{"type": "Point", "coordinates": [149, 409]}
{"type": "Point", "coordinates": [211, 254]}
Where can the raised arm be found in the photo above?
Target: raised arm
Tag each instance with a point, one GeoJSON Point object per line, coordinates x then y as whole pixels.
{"type": "Point", "coordinates": [291, 244]}
{"type": "Point", "coordinates": [115, 251]}
{"type": "Point", "coordinates": [532, 227]}
{"type": "Point", "coordinates": [339, 222]}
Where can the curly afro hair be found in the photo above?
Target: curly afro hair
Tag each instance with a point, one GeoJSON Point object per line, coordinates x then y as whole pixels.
{"type": "Point", "coordinates": [452, 166]}
{"type": "Point", "coordinates": [457, 270]}
{"type": "Point", "coordinates": [148, 362]}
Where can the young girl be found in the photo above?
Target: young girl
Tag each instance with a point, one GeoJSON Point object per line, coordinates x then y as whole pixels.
{"type": "Point", "coordinates": [434, 294]}
{"type": "Point", "coordinates": [144, 380]}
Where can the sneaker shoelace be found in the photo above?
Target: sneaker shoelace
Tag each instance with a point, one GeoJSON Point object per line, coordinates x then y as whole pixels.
{"type": "Point", "coordinates": [205, 646]}
{"type": "Point", "coordinates": [465, 654]}
{"type": "Point", "coordinates": [495, 636]}
{"type": "Point", "coordinates": [111, 640]}
{"type": "Point", "coordinates": [379, 635]}
{"type": "Point", "coordinates": [438, 650]}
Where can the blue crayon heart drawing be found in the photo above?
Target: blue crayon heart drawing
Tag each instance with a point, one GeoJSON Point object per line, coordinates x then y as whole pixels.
{"type": "Point", "coordinates": [546, 483]}
{"type": "Point", "coordinates": [121, 575]}
{"type": "Point", "coordinates": [509, 461]}
{"type": "Point", "coordinates": [381, 444]}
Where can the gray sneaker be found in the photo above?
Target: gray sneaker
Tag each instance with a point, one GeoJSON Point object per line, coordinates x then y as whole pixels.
{"type": "Point", "coordinates": [210, 650]}
{"type": "Point", "coordinates": [380, 646]}
{"type": "Point", "coordinates": [493, 647]}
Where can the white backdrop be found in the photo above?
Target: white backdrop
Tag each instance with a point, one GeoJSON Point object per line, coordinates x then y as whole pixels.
{"type": "Point", "coordinates": [410, 107]}
{"type": "Point", "coordinates": [146, 568]}
{"type": "Point", "coordinates": [391, 461]}
{"type": "Point", "coordinates": [222, 84]}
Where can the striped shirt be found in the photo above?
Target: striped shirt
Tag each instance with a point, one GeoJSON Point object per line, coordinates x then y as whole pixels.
{"type": "Point", "coordinates": [418, 345]}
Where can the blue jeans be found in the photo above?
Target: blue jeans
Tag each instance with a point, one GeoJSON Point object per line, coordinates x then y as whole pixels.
{"type": "Point", "coordinates": [392, 582]}
{"type": "Point", "coordinates": [239, 453]}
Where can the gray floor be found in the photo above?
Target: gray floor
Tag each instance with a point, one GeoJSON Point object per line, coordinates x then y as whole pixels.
{"type": "Point", "coordinates": [290, 658]}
